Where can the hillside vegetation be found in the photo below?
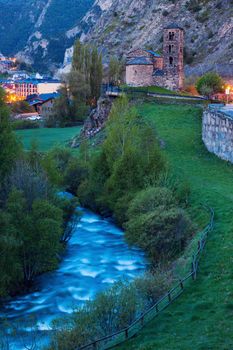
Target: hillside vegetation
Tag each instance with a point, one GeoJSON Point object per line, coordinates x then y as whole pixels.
{"type": "Point", "coordinates": [202, 318]}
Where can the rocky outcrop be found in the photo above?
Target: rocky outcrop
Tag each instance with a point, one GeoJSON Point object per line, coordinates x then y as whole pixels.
{"type": "Point", "coordinates": [98, 117]}
{"type": "Point", "coordinates": [95, 122]}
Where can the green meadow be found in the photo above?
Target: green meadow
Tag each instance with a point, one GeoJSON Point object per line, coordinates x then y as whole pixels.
{"type": "Point", "coordinates": [47, 138]}
{"type": "Point", "coordinates": [202, 318]}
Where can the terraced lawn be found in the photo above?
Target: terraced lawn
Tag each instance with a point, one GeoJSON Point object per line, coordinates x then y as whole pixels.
{"type": "Point", "coordinates": [202, 318]}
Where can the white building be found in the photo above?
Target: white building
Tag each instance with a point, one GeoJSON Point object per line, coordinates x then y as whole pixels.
{"type": "Point", "coordinates": [29, 87]}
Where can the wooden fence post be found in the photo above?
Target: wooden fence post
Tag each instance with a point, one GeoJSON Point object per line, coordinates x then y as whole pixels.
{"type": "Point", "coordinates": [182, 285]}
{"type": "Point", "coordinates": [169, 296]}
{"type": "Point", "coordinates": [127, 333]}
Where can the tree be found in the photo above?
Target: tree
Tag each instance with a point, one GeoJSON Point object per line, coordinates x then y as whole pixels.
{"type": "Point", "coordinates": [9, 146]}
{"type": "Point", "coordinates": [61, 109]}
{"type": "Point", "coordinates": [21, 107]}
{"type": "Point", "coordinates": [85, 78]}
{"type": "Point", "coordinates": [39, 229]}
{"type": "Point", "coordinates": [121, 168]}
{"type": "Point", "coordinates": [96, 74]}
{"type": "Point", "coordinates": [114, 71]}
{"type": "Point", "coordinates": [209, 84]}
{"type": "Point", "coordinates": [10, 268]}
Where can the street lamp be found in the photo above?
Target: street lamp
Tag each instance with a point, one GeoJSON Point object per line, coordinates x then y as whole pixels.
{"type": "Point", "coordinates": [227, 91]}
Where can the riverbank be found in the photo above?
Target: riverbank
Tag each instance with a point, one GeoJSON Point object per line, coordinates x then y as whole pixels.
{"type": "Point", "coordinates": [202, 317]}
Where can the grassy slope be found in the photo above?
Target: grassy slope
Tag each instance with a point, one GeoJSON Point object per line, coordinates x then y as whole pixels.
{"type": "Point", "coordinates": [48, 137]}
{"type": "Point", "coordinates": [203, 316]}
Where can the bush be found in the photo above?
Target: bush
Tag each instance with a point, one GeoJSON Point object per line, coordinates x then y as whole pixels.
{"type": "Point", "coordinates": [111, 311]}
{"type": "Point", "coordinates": [157, 225]}
{"type": "Point", "coordinates": [151, 286]}
{"type": "Point", "coordinates": [209, 84]}
{"type": "Point", "coordinates": [25, 124]}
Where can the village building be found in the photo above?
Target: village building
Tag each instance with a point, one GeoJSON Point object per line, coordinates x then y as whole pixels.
{"type": "Point", "coordinates": [43, 104]}
{"type": "Point", "coordinates": [28, 87]}
{"type": "Point", "coordinates": [148, 68]}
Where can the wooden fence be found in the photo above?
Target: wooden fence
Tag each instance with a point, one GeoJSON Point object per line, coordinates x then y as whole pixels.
{"type": "Point", "coordinates": [130, 331]}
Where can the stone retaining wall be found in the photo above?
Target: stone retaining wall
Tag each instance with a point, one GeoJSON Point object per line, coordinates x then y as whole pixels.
{"type": "Point", "coordinates": [217, 134]}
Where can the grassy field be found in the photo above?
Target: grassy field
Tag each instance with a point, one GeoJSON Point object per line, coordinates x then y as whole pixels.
{"type": "Point", "coordinates": [202, 318]}
{"type": "Point", "coordinates": [46, 138]}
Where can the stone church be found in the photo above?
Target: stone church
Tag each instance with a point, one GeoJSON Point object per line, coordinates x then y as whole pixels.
{"type": "Point", "coordinates": [148, 68]}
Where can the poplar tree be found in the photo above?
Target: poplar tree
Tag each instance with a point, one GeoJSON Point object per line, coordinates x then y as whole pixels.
{"type": "Point", "coordinates": [86, 76]}
{"type": "Point", "coordinates": [96, 74]}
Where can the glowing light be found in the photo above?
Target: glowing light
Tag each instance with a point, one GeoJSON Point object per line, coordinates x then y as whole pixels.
{"type": "Point", "coordinates": [228, 90]}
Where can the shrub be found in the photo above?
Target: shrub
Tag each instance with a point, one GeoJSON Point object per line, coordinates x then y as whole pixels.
{"type": "Point", "coordinates": [111, 311]}
{"type": "Point", "coordinates": [151, 286]}
{"type": "Point", "coordinates": [157, 224]}
{"type": "Point", "coordinates": [25, 124]}
{"type": "Point", "coordinates": [209, 84]}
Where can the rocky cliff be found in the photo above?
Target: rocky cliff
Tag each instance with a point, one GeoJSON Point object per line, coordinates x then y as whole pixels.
{"type": "Point", "coordinates": [35, 29]}
{"type": "Point", "coordinates": [118, 26]}
{"type": "Point", "coordinates": [43, 30]}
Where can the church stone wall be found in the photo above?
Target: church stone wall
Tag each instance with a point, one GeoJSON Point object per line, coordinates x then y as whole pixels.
{"type": "Point", "coordinates": [139, 75]}
{"type": "Point", "coordinates": [217, 134]}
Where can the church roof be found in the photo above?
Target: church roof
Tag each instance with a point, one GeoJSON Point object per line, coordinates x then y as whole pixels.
{"type": "Point", "coordinates": [139, 61]}
{"type": "Point", "coordinates": [155, 54]}
{"type": "Point", "coordinates": [173, 26]}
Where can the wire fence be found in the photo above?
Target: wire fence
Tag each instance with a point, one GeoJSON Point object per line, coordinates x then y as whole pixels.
{"type": "Point", "coordinates": [125, 334]}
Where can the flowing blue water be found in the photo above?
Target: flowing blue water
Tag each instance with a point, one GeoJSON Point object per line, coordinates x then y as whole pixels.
{"type": "Point", "coordinates": [96, 256]}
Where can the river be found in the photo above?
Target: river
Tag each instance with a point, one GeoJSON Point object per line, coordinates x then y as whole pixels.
{"type": "Point", "coordinates": [96, 256]}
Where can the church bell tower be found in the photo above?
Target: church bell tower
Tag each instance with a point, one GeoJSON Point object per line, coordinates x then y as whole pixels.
{"type": "Point", "coordinates": [173, 53]}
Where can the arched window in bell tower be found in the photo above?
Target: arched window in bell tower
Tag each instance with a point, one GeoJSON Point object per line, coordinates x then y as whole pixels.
{"type": "Point", "coordinates": [171, 36]}
{"type": "Point", "coordinates": [171, 60]}
{"type": "Point", "coordinates": [171, 48]}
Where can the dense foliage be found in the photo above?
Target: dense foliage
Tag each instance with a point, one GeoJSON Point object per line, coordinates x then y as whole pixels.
{"type": "Point", "coordinates": [8, 144]}
{"type": "Point", "coordinates": [157, 224]}
{"type": "Point", "coordinates": [209, 84]}
{"type": "Point", "coordinates": [34, 221]}
{"type": "Point", "coordinates": [126, 178]}
{"type": "Point", "coordinates": [82, 88]}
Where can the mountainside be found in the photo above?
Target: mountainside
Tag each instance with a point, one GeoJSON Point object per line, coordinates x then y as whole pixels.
{"type": "Point", "coordinates": [125, 24]}
{"type": "Point", "coordinates": [36, 28]}
{"type": "Point", "coordinates": [42, 30]}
